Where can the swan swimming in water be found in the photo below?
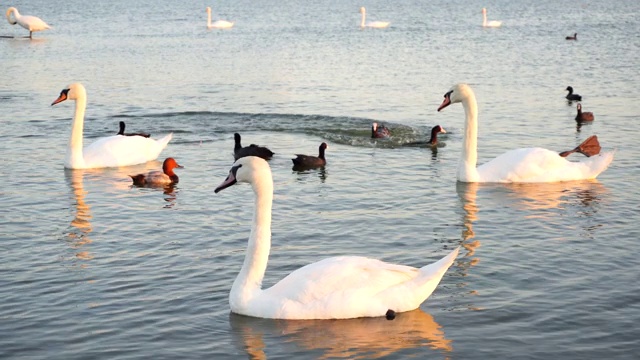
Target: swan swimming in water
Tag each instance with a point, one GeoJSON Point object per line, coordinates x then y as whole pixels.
{"type": "Point", "coordinates": [31, 23]}
{"type": "Point", "coordinates": [520, 165]}
{"type": "Point", "coordinates": [492, 23]}
{"type": "Point", "coordinates": [371, 24]}
{"type": "Point", "coordinates": [110, 151]}
{"type": "Point", "coordinates": [340, 287]}
{"type": "Point", "coordinates": [218, 24]}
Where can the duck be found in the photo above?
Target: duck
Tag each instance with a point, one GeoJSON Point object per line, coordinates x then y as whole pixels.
{"type": "Point", "coordinates": [31, 23]}
{"type": "Point", "coordinates": [121, 132]}
{"type": "Point", "coordinates": [371, 24]}
{"type": "Point", "coordinates": [574, 37]}
{"type": "Point", "coordinates": [219, 24]}
{"type": "Point", "coordinates": [492, 23]}
{"type": "Point", "coordinates": [159, 178]}
{"type": "Point", "coordinates": [571, 96]}
{"type": "Point", "coordinates": [584, 116]}
{"type": "Point", "coordinates": [534, 165]}
{"type": "Point", "coordinates": [341, 287]}
{"type": "Point", "coordinates": [110, 151]}
{"type": "Point", "coordinates": [379, 131]}
{"type": "Point", "coordinates": [251, 150]}
{"type": "Point", "coordinates": [433, 141]}
{"type": "Point", "coordinates": [308, 161]}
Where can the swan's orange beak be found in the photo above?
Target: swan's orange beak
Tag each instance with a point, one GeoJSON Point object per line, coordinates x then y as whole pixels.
{"type": "Point", "coordinates": [61, 98]}
{"type": "Point", "coordinates": [446, 102]}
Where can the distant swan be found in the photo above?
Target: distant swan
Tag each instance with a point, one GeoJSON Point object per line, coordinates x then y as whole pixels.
{"type": "Point", "coordinates": [492, 23]}
{"type": "Point", "coordinates": [159, 178]}
{"type": "Point", "coordinates": [371, 24]}
{"type": "Point", "coordinates": [340, 287]}
{"type": "Point", "coordinates": [31, 23]}
{"type": "Point", "coordinates": [520, 165]}
{"type": "Point", "coordinates": [110, 151]}
{"type": "Point", "coordinates": [574, 37]}
{"type": "Point", "coordinates": [219, 24]}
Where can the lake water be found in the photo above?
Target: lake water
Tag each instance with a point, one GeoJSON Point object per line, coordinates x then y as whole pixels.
{"type": "Point", "coordinates": [95, 268]}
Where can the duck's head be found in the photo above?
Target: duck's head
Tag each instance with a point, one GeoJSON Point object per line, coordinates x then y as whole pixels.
{"type": "Point", "coordinates": [71, 92]}
{"type": "Point", "coordinates": [456, 94]}
{"type": "Point", "coordinates": [438, 129]}
{"type": "Point", "coordinates": [579, 107]}
{"type": "Point", "coordinates": [249, 169]}
{"type": "Point", "coordinates": [169, 164]}
{"type": "Point", "coordinates": [324, 146]}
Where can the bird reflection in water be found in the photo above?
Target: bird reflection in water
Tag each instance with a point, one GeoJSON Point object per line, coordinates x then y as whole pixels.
{"type": "Point", "coordinates": [467, 194]}
{"type": "Point", "coordinates": [78, 234]}
{"type": "Point", "coordinates": [363, 338]}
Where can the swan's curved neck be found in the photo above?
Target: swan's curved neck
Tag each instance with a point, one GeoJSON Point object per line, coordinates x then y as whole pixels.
{"type": "Point", "coordinates": [16, 15]}
{"type": "Point", "coordinates": [363, 18]}
{"type": "Point", "coordinates": [249, 281]}
{"type": "Point", "coordinates": [74, 158]}
{"type": "Point", "coordinates": [467, 171]}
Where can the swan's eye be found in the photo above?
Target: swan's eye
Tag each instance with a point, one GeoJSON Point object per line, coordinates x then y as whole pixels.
{"type": "Point", "coordinates": [448, 95]}
{"type": "Point", "coordinates": [64, 92]}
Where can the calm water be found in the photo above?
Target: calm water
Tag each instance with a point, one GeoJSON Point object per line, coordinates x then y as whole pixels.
{"type": "Point", "coordinates": [93, 268]}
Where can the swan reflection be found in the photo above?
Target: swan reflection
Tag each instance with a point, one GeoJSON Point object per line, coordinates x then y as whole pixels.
{"type": "Point", "coordinates": [78, 234]}
{"type": "Point", "coordinates": [363, 338]}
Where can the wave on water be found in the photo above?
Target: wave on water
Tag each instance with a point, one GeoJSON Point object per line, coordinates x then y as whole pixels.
{"type": "Point", "coordinates": [345, 130]}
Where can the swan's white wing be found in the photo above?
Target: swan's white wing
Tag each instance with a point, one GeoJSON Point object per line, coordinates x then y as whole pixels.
{"type": "Point", "coordinates": [378, 24]}
{"type": "Point", "coordinates": [117, 150]}
{"type": "Point", "coordinates": [540, 165]}
{"type": "Point", "coordinates": [339, 274]}
{"type": "Point", "coordinates": [32, 23]}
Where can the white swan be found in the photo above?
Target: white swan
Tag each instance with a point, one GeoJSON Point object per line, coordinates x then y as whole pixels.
{"type": "Point", "coordinates": [110, 151]}
{"type": "Point", "coordinates": [335, 288]}
{"type": "Point", "coordinates": [31, 23]}
{"type": "Point", "coordinates": [492, 23]}
{"type": "Point", "coordinates": [520, 165]}
{"type": "Point", "coordinates": [371, 24]}
{"type": "Point", "coordinates": [219, 24]}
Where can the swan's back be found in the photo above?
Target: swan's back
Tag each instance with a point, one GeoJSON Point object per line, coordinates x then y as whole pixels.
{"type": "Point", "coordinates": [114, 151]}
{"type": "Point", "coordinates": [541, 165]}
{"type": "Point", "coordinates": [350, 287]}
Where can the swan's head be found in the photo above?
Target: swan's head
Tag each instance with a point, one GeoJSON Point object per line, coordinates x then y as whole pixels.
{"type": "Point", "coordinates": [208, 10]}
{"type": "Point", "coordinates": [456, 94]}
{"type": "Point", "coordinates": [484, 10]}
{"type": "Point", "coordinates": [362, 10]}
{"type": "Point", "coordinates": [71, 92]}
{"type": "Point", "coordinates": [249, 169]}
{"type": "Point", "coordinates": [8, 14]}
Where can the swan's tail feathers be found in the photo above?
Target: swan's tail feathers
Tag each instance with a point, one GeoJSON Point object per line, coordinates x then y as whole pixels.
{"type": "Point", "coordinates": [588, 148]}
{"type": "Point", "coordinates": [165, 140]}
{"type": "Point", "coordinates": [409, 295]}
{"type": "Point", "coordinates": [600, 163]}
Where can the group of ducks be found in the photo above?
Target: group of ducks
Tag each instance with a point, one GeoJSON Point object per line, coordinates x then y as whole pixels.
{"type": "Point", "coordinates": [338, 287]}
{"type": "Point", "coordinates": [34, 23]}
